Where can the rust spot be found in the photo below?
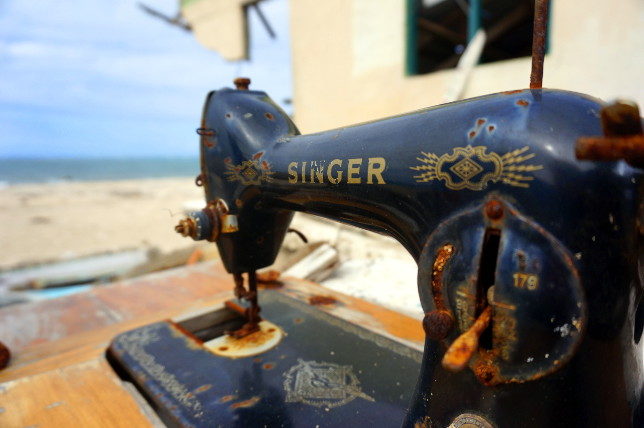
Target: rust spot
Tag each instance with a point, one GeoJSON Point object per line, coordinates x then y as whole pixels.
{"type": "Point", "coordinates": [491, 128]}
{"type": "Point", "coordinates": [522, 260]}
{"type": "Point", "coordinates": [298, 320]}
{"type": "Point", "coordinates": [438, 324]}
{"type": "Point", "coordinates": [257, 360]}
{"type": "Point", "coordinates": [487, 372]}
{"type": "Point", "coordinates": [480, 122]}
{"type": "Point", "coordinates": [252, 340]}
{"type": "Point", "coordinates": [613, 148]}
{"type": "Point", "coordinates": [270, 330]}
{"type": "Point", "coordinates": [463, 348]}
{"type": "Point", "coordinates": [268, 276]}
{"type": "Point", "coordinates": [472, 134]}
{"type": "Point", "coordinates": [246, 403]}
{"type": "Point", "coordinates": [223, 348]}
{"type": "Point", "coordinates": [258, 155]}
{"type": "Point", "coordinates": [227, 398]}
{"type": "Point", "coordinates": [241, 83]}
{"type": "Point", "coordinates": [265, 165]}
{"type": "Point", "coordinates": [494, 209]}
{"type": "Point", "coordinates": [268, 366]}
{"type": "Point", "coordinates": [442, 256]}
{"type": "Point", "coordinates": [203, 388]}
{"type": "Point", "coordinates": [539, 29]}
{"type": "Point", "coordinates": [238, 203]}
{"type": "Point", "coordinates": [208, 143]}
{"type": "Point", "coordinates": [424, 422]}
{"type": "Point", "coordinates": [268, 116]}
{"type": "Point", "coordinates": [516, 91]}
{"type": "Point", "coordinates": [522, 103]}
{"type": "Point", "coordinates": [322, 300]}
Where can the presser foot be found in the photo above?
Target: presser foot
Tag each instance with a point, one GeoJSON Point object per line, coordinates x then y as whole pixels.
{"type": "Point", "coordinates": [245, 330]}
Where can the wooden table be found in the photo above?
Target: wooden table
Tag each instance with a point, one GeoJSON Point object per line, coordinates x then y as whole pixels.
{"type": "Point", "coordinates": [59, 376]}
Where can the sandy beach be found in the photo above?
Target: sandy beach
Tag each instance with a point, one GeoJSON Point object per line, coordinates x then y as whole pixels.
{"type": "Point", "coordinates": [46, 222]}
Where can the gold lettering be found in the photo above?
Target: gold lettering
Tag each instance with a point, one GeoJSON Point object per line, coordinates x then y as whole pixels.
{"type": "Point", "coordinates": [292, 172]}
{"type": "Point", "coordinates": [303, 172]}
{"type": "Point", "coordinates": [526, 280]}
{"type": "Point", "coordinates": [353, 171]}
{"type": "Point", "coordinates": [319, 172]}
{"type": "Point", "coordinates": [329, 171]}
{"type": "Point", "coordinates": [374, 169]}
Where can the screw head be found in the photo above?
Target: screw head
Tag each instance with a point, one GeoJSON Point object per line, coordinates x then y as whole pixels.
{"type": "Point", "coordinates": [494, 209]}
{"type": "Point", "coordinates": [242, 83]}
{"type": "Point", "coordinates": [437, 324]}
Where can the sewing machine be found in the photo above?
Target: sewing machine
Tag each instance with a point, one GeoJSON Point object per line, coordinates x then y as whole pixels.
{"type": "Point", "coordinates": [527, 256]}
{"type": "Point", "coordinates": [522, 210]}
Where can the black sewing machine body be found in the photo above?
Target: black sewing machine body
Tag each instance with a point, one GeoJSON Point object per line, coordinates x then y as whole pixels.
{"type": "Point", "coordinates": [488, 197]}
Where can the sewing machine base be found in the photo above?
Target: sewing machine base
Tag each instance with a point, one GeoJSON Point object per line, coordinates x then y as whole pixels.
{"type": "Point", "coordinates": [325, 371]}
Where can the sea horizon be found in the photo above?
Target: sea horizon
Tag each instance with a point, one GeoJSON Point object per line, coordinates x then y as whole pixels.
{"type": "Point", "coordinates": [16, 170]}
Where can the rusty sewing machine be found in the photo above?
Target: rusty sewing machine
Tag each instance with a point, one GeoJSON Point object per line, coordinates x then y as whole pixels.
{"type": "Point", "coordinates": [523, 212]}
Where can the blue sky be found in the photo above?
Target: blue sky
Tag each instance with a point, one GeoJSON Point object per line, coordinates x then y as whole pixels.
{"type": "Point", "coordinates": [98, 78]}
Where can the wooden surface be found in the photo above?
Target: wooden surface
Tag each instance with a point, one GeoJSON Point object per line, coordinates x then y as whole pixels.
{"type": "Point", "coordinates": [58, 375]}
{"type": "Point", "coordinates": [82, 395]}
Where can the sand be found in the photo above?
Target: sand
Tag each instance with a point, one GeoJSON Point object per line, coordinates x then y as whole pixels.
{"type": "Point", "coordinates": [40, 223]}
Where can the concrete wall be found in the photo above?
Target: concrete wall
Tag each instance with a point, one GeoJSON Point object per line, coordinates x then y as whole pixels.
{"type": "Point", "coordinates": [349, 59]}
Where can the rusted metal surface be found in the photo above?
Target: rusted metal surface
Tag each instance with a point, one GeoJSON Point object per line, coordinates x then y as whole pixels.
{"type": "Point", "coordinates": [623, 137]}
{"type": "Point", "coordinates": [5, 356]}
{"type": "Point", "coordinates": [269, 277]}
{"type": "Point", "coordinates": [322, 300]}
{"type": "Point", "coordinates": [539, 33]}
{"type": "Point", "coordinates": [629, 148]}
{"type": "Point", "coordinates": [266, 337]}
{"type": "Point", "coordinates": [438, 324]}
{"type": "Point", "coordinates": [442, 257]}
{"type": "Point", "coordinates": [186, 227]}
{"type": "Point", "coordinates": [246, 403]}
{"type": "Point", "coordinates": [251, 313]}
{"type": "Point", "coordinates": [242, 83]}
{"type": "Point", "coordinates": [206, 132]}
{"type": "Point", "coordinates": [621, 118]}
{"type": "Point", "coordinates": [460, 352]}
{"type": "Point", "coordinates": [494, 209]}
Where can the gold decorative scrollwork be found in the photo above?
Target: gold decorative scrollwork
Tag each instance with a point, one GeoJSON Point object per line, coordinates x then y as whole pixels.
{"type": "Point", "coordinates": [473, 168]}
{"type": "Point", "coordinates": [252, 171]}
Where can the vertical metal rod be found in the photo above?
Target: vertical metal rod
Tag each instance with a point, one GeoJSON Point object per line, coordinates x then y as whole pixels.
{"type": "Point", "coordinates": [539, 42]}
{"type": "Point", "coordinates": [253, 314]}
{"type": "Point", "coordinates": [474, 19]}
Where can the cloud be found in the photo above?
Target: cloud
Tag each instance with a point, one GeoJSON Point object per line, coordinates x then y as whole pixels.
{"type": "Point", "coordinates": [68, 68]}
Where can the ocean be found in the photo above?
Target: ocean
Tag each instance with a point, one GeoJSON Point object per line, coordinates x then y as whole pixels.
{"type": "Point", "coordinates": [13, 171]}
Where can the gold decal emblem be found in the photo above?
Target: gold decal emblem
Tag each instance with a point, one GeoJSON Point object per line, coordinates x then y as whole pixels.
{"type": "Point", "coordinates": [473, 168]}
{"type": "Point", "coordinates": [322, 384]}
{"type": "Point", "coordinates": [249, 172]}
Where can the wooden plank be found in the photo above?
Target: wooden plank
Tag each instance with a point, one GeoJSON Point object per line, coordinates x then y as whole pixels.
{"type": "Point", "coordinates": [41, 322]}
{"type": "Point", "coordinates": [88, 345]}
{"type": "Point", "coordinates": [82, 395]}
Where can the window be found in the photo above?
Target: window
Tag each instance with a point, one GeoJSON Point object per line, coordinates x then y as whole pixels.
{"type": "Point", "coordinates": [438, 31]}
